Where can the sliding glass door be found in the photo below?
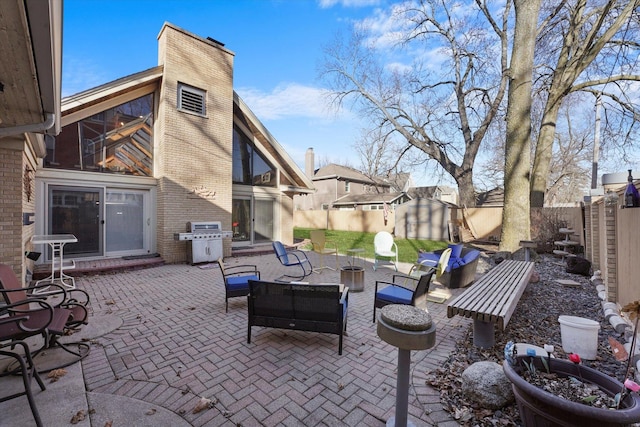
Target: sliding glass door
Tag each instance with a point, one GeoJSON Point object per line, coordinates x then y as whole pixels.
{"type": "Point", "coordinates": [77, 211]}
{"type": "Point", "coordinates": [125, 221]}
{"type": "Point", "coordinates": [253, 220]}
{"type": "Point", "coordinates": [106, 221]}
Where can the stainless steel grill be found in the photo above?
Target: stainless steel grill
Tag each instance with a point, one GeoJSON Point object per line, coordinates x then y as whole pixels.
{"type": "Point", "coordinates": [204, 240]}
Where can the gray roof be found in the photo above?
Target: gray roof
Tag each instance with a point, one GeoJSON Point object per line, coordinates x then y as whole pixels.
{"type": "Point", "coordinates": [367, 199]}
{"type": "Point", "coordinates": [334, 171]}
{"type": "Point", "coordinates": [428, 191]}
{"type": "Point", "coordinates": [494, 197]}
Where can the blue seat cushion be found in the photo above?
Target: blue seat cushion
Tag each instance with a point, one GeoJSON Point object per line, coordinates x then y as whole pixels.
{"type": "Point", "coordinates": [240, 282]}
{"type": "Point", "coordinates": [395, 294]}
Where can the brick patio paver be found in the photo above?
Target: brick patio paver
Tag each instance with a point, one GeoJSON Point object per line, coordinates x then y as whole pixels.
{"type": "Point", "coordinates": [177, 344]}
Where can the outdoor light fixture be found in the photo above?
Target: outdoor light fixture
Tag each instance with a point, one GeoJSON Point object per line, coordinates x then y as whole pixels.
{"type": "Point", "coordinates": [33, 256]}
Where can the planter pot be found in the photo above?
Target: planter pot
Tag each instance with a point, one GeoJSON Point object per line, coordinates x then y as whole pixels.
{"type": "Point", "coordinates": [540, 408]}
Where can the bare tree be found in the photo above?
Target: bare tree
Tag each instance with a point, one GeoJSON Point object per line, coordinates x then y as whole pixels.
{"type": "Point", "coordinates": [443, 113]}
{"type": "Point", "coordinates": [516, 224]}
{"type": "Point", "coordinates": [447, 110]}
{"type": "Point", "coordinates": [595, 48]}
{"type": "Point", "coordinates": [572, 151]}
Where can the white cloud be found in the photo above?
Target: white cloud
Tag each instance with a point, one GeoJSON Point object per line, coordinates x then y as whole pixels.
{"type": "Point", "coordinates": [398, 67]}
{"type": "Point", "coordinates": [325, 4]}
{"type": "Point", "coordinates": [79, 75]}
{"type": "Point", "coordinates": [285, 101]}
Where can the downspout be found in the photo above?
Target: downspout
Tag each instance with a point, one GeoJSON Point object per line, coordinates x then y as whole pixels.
{"type": "Point", "coordinates": [31, 128]}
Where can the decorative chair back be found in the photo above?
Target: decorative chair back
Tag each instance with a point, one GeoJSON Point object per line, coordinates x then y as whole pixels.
{"type": "Point", "coordinates": [221, 265]}
{"type": "Point", "coordinates": [9, 281]}
{"type": "Point", "coordinates": [443, 262]}
{"type": "Point", "coordinates": [419, 297]}
{"type": "Point", "coordinates": [318, 239]}
{"type": "Point", "coordinates": [281, 252]}
{"type": "Point", "coordinates": [383, 241]}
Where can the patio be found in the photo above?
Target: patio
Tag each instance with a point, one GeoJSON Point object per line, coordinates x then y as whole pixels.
{"type": "Point", "coordinates": [161, 340]}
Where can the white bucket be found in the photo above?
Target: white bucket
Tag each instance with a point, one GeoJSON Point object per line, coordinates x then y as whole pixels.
{"type": "Point", "coordinates": [580, 336]}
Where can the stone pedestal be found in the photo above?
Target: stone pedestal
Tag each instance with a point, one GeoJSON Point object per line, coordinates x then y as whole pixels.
{"type": "Point", "coordinates": [408, 328]}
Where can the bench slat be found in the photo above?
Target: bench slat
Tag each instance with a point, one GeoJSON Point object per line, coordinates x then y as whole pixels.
{"type": "Point", "coordinates": [475, 297]}
{"type": "Point", "coordinates": [488, 302]}
{"type": "Point", "coordinates": [493, 298]}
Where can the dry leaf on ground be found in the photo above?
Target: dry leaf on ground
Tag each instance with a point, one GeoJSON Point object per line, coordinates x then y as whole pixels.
{"type": "Point", "coordinates": [619, 352]}
{"type": "Point", "coordinates": [202, 404]}
{"type": "Point", "coordinates": [79, 416]}
{"type": "Point", "coordinates": [56, 374]}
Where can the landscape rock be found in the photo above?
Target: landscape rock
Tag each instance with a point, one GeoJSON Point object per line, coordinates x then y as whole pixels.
{"type": "Point", "coordinates": [535, 277]}
{"type": "Point", "coordinates": [485, 383]}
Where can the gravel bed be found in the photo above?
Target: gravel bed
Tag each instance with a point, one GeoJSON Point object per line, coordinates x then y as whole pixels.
{"type": "Point", "coordinates": [535, 321]}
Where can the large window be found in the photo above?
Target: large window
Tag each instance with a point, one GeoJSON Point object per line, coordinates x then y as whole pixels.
{"type": "Point", "coordinates": [249, 167]}
{"type": "Point", "coordinates": [118, 140]}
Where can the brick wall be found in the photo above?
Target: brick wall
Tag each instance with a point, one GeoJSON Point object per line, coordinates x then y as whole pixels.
{"type": "Point", "coordinates": [11, 208]}
{"type": "Point", "coordinates": [17, 195]}
{"type": "Point", "coordinates": [193, 153]}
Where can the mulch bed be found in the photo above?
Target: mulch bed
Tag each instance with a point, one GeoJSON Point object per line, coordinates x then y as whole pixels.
{"type": "Point", "coordinates": [534, 322]}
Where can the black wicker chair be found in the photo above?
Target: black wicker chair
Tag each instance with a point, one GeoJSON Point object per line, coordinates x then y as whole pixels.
{"type": "Point", "coordinates": [396, 293]}
{"type": "Point", "coordinates": [236, 280]}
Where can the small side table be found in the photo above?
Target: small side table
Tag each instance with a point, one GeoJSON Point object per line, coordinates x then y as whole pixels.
{"type": "Point", "coordinates": [356, 254]}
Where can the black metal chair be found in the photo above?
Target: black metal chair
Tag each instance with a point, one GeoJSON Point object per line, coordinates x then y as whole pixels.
{"type": "Point", "coordinates": [17, 322]}
{"type": "Point", "coordinates": [395, 293]}
{"type": "Point", "coordinates": [67, 314]}
{"type": "Point", "coordinates": [75, 300]}
{"type": "Point", "coordinates": [292, 258]}
{"type": "Point", "coordinates": [236, 280]}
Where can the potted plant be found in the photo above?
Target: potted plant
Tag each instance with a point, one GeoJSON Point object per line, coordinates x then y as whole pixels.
{"type": "Point", "coordinates": [540, 407]}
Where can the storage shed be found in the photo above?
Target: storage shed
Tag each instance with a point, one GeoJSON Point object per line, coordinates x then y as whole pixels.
{"type": "Point", "coordinates": [425, 219]}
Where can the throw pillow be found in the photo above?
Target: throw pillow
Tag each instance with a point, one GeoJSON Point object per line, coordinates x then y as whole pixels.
{"type": "Point", "coordinates": [456, 250]}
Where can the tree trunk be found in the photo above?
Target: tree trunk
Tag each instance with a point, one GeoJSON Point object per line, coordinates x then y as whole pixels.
{"type": "Point", "coordinates": [466, 192]}
{"type": "Point", "coordinates": [542, 159]}
{"type": "Point", "coordinates": [515, 218]}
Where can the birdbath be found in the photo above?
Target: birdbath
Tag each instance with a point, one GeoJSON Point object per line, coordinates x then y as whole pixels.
{"type": "Point", "coordinates": [408, 328]}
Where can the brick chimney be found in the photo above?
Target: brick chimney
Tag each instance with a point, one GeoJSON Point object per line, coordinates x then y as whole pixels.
{"type": "Point", "coordinates": [309, 163]}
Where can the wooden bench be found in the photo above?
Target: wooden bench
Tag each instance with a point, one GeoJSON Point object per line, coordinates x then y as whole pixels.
{"type": "Point", "coordinates": [299, 306]}
{"type": "Point", "coordinates": [492, 299]}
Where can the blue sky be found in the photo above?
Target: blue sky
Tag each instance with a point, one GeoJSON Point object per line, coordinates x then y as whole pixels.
{"type": "Point", "coordinates": [278, 46]}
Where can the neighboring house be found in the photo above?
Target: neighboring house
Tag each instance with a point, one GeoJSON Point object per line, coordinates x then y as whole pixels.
{"type": "Point", "coordinates": [369, 202]}
{"type": "Point", "coordinates": [490, 198]}
{"type": "Point", "coordinates": [437, 192]}
{"type": "Point", "coordinates": [30, 79]}
{"type": "Point", "coordinates": [140, 157]}
{"type": "Point", "coordinates": [401, 182]}
{"type": "Point", "coordinates": [342, 187]}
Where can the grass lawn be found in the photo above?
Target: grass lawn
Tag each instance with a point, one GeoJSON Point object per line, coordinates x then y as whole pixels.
{"type": "Point", "coordinates": [407, 248]}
